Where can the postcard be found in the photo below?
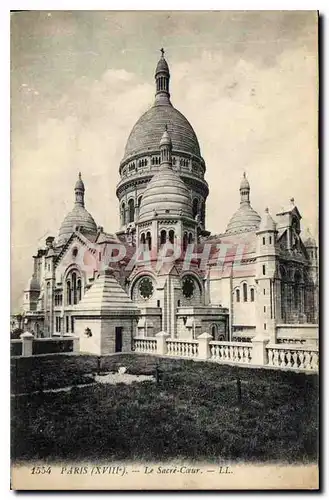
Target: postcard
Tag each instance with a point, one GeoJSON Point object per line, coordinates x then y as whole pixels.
{"type": "Point", "coordinates": [164, 264]}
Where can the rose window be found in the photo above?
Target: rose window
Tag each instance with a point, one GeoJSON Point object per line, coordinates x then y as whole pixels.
{"type": "Point", "coordinates": [146, 288]}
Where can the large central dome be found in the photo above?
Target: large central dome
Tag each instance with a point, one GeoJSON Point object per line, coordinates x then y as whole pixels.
{"type": "Point", "coordinates": [147, 132]}
{"type": "Point", "coordinates": [141, 158]}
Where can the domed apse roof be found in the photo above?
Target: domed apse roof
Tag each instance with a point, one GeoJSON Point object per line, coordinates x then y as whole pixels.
{"type": "Point", "coordinates": [147, 132]}
{"type": "Point", "coordinates": [166, 193]}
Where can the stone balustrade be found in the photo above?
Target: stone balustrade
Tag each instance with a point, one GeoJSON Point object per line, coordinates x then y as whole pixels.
{"type": "Point", "coordinates": [258, 353]}
{"type": "Point", "coordinates": [146, 345]}
{"type": "Point", "coordinates": [182, 348]}
{"type": "Point", "coordinates": [298, 357]}
{"type": "Point", "coordinates": [231, 352]}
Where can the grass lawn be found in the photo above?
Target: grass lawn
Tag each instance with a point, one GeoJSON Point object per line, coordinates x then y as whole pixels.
{"type": "Point", "coordinates": [193, 413]}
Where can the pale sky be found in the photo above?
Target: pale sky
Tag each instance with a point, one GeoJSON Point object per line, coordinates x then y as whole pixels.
{"type": "Point", "coordinates": [246, 81]}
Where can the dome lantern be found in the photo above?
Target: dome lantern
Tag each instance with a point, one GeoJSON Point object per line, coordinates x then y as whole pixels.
{"type": "Point", "coordinates": [166, 148]}
{"type": "Point", "coordinates": [244, 189]}
{"type": "Point", "coordinates": [162, 77]}
{"type": "Point", "coordinates": [79, 192]}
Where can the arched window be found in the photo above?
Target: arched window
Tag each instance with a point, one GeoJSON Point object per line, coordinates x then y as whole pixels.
{"type": "Point", "coordinates": [131, 210]}
{"type": "Point", "coordinates": [203, 211]}
{"type": "Point", "coordinates": [143, 238]}
{"type": "Point", "coordinates": [74, 287]}
{"type": "Point", "coordinates": [79, 290]}
{"type": "Point", "coordinates": [139, 201]}
{"type": "Point", "coordinates": [48, 293]}
{"type": "Point", "coordinates": [163, 237]}
{"type": "Point", "coordinates": [245, 292]}
{"type": "Point", "coordinates": [252, 295]}
{"type": "Point", "coordinates": [185, 241]}
{"type": "Point", "coordinates": [123, 214]}
{"type": "Point", "coordinates": [195, 207]}
{"type": "Point", "coordinates": [149, 240]}
{"type": "Point", "coordinates": [190, 237]}
{"type": "Point", "coordinates": [214, 331]}
{"type": "Point", "coordinates": [68, 293]}
{"type": "Point", "coordinates": [237, 295]}
{"type": "Point", "coordinates": [171, 236]}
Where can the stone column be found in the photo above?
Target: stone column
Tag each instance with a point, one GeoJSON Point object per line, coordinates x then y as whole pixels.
{"type": "Point", "coordinates": [259, 353]}
{"type": "Point", "coordinates": [27, 343]}
{"type": "Point", "coordinates": [161, 343]}
{"type": "Point", "coordinates": [204, 348]}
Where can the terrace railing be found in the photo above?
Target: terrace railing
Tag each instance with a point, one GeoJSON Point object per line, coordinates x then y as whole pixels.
{"type": "Point", "coordinates": [182, 348]}
{"type": "Point", "coordinates": [258, 353]}
{"type": "Point", "coordinates": [232, 352]}
{"type": "Point", "coordinates": [147, 345]}
{"type": "Point", "coordinates": [293, 356]}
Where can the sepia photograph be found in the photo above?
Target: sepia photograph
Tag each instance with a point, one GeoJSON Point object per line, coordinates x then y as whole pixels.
{"type": "Point", "coordinates": [164, 326]}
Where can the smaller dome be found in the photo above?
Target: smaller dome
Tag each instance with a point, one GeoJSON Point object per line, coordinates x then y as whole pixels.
{"type": "Point", "coordinates": [79, 216]}
{"type": "Point", "coordinates": [244, 219]}
{"type": "Point", "coordinates": [79, 184]}
{"type": "Point", "coordinates": [32, 285]}
{"type": "Point", "coordinates": [244, 182]}
{"type": "Point", "coordinates": [166, 193]}
{"type": "Point", "coordinates": [267, 223]}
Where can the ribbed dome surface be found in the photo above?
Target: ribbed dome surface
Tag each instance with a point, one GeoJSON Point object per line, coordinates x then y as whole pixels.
{"type": "Point", "coordinates": [166, 193]}
{"type": "Point", "coordinates": [147, 132]}
{"type": "Point", "coordinates": [79, 216]}
{"type": "Point", "coordinates": [244, 219]}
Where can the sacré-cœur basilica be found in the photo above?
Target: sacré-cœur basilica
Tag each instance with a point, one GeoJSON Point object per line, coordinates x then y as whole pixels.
{"type": "Point", "coordinates": [162, 270]}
